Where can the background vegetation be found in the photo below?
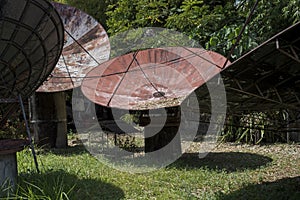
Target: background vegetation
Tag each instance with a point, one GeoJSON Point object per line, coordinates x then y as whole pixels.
{"type": "Point", "coordinates": [215, 24]}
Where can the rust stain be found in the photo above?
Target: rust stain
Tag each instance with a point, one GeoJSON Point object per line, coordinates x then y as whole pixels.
{"type": "Point", "coordinates": [78, 58]}
{"type": "Point", "coordinates": [156, 78]}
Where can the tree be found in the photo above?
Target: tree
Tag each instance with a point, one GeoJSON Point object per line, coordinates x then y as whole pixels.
{"type": "Point", "coordinates": [270, 17]}
{"type": "Point", "coordinates": [215, 24]}
{"type": "Point", "coordinates": [127, 14]}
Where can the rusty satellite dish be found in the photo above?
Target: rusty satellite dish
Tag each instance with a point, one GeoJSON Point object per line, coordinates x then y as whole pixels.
{"type": "Point", "coordinates": [86, 46]}
{"type": "Point", "coordinates": [152, 78]}
{"type": "Point", "coordinates": [31, 41]}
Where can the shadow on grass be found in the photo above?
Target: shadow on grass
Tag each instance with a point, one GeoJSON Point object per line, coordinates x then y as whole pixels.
{"type": "Point", "coordinates": [69, 151]}
{"type": "Point", "coordinates": [287, 188]}
{"type": "Point", "coordinates": [223, 161]}
{"type": "Point", "coordinates": [54, 183]}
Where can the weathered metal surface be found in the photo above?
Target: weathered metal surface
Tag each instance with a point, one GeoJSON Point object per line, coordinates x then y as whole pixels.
{"type": "Point", "coordinates": [151, 79]}
{"type": "Point", "coordinates": [86, 46]}
{"type": "Point", "coordinates": [31, 41]}
{"type": "Point", "coordinates": [8, 163]}
{"type": "Point", "coordinates": [8, 146]}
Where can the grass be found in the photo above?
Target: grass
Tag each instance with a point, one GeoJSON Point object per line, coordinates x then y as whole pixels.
{"type": "Point", "coordinates": [231, 171]}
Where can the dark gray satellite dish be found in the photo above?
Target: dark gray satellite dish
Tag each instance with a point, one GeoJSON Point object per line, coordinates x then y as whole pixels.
{"type": "Point", "coordinates": [31, 42]}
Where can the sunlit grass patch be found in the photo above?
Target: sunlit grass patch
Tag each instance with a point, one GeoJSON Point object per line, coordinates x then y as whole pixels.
{"type": "Point", "coordinates": [231, 171]}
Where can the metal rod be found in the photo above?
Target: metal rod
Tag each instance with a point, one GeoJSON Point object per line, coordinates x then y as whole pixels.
{"type": "Point", "coordinates": [288, 127]}
{"type": "Point", "coordinates": [82, 47]}
{"type": "Point", "coordinates": [29, 134]}
{"type": "Point", "coordinates": [294, 57]}
{"type": "Point", "coordinates": [69, 74]}
{"type": "Point", "coordinates": [193, 53]}
{"type": "Point", "coordinates": [289, 55]}
{"type": "Point", "coordinates": [294, 52]}
{"type": "Point", "coordinates": [261, 97]}
{"type": "Point", "coordinates": [119, 84]}
{"type": "Point", "coordinates": [148, 79]}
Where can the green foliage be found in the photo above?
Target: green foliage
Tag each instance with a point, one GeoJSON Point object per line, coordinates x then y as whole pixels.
{"type": "Point", "coordinates": [214, 24]}
{"type": "Point", "coordinates": [198, 19]}
{"type": "Point", "coordinates": [152, 13]}
{"type": "Point", "coordinates": [130, 118]}
{"type": "Point", "coordinates": [217, 43]}
{"type": "Point", "coordinates": [292, 10]}
{"type": "Point", "coordinates": [270, 17]}
{"type": "Point", "coordinates": [120, 16]}
{"type": "Point", "coordinates": [130, 143]}
{"type": "Point", "coordinates": [144, 38]}
{"type": "Point", "coordinates": [129, 14]}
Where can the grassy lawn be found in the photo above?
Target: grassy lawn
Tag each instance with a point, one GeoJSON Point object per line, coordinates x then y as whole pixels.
{"type": "Point", "coordinates": [231, 171]}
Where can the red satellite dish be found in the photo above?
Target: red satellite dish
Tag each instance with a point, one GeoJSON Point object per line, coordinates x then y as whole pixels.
{"type": "Point", "coordinates": [86, 46]}
{"type": "Point", "coordinates": [152, 78]}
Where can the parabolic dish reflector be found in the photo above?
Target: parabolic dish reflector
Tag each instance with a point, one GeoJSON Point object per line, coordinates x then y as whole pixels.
{"type": "Point", "coordinates": [31, 41]}
{"type": "Point", "coordinates": [86, 46]}
{"type": "Point", "coordinates": [152, 78]}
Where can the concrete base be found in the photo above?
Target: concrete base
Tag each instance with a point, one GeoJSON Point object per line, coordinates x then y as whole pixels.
{"type": "Point", "coordinates": [166, 141]}
{"type": "Point", "coordinates": [8, 173]}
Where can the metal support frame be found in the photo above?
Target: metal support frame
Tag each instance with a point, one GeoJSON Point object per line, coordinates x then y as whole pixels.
{"type": "Point", "coordinates": [271, 93]}
{"type": "Point", "coordinates": [260, 97]}
{"type": "Point", "coordinates": [291, 53]}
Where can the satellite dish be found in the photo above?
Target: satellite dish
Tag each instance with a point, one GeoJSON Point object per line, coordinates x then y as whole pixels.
{"type": "Point", "coordinates": [31, 41]}
{"type": "Point", "coordinates": [86, 46]}
{"type": "Point", "coordinates": [151, 79]}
